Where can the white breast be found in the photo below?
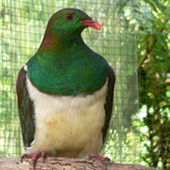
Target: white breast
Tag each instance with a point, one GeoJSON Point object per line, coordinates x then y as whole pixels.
{"type": "Point", "coordinates": [68, 126]}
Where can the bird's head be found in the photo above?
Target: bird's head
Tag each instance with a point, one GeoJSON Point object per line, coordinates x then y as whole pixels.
{"type": "Point", "coordinates": [66, 24]}
{"type": "Point", "coordinates": [71, 20]}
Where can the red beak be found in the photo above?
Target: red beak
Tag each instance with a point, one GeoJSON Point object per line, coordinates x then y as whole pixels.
{"type": "Point", "coordinates": [91, 23]}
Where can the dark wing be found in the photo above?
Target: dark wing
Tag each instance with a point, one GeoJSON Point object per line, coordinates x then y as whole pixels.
{"type": "Point", "coordinates": [26, 109]}
{"type": "Point", "coordinates": [109, 100]}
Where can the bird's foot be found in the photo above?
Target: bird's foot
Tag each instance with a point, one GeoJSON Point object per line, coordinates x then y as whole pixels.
{"type": "Point", "coordinates": [104, 160]}
{"type": "Point", "coordinates": [34, 157]}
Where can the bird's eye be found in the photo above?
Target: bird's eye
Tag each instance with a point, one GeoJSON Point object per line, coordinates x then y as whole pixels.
{"type": "Point", "coordinates": [69, 16]}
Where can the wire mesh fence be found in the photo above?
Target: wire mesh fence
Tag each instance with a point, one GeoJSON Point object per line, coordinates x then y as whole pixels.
{"type": "Point", "coordinates": [22, 27]}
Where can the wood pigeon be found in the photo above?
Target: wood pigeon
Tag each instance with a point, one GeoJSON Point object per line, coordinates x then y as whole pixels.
{"type": "Point", "coordinates": [65, 92]}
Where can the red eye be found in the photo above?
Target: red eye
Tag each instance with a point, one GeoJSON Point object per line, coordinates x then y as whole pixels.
{"type": "Point", "coordinates": [69, 16]}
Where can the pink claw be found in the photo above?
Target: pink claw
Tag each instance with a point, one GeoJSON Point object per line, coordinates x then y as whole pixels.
{"type": "Point", "coordinates": [101, 158]}
{"type": "Point", "coordinates": [34, 157]}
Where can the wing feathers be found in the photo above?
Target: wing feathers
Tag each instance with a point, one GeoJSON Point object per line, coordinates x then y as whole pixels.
{"type": "Point", "coordinates": [109, 100]}
{"type": "Point", "coordinates": [26, 109]}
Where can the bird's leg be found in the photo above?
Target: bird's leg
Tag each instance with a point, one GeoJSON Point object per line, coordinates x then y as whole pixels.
{"type": "Point", "coordinates": [44, 156]}
{"type": "Point", "coordinates": [104, 160]}
{"type": "Point", "coordinates": [34, 157]}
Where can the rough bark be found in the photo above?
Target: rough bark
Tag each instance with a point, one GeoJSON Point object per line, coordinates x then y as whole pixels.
{"type": "Point", "coordinates": [66, 164]}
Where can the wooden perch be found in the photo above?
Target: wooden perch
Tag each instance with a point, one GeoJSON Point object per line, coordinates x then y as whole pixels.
{"type": "Point", "coordinates": [53, 163]}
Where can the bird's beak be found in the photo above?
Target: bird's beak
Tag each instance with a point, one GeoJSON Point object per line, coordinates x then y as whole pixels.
{"type": "Point", "coordinates": [91, 23]}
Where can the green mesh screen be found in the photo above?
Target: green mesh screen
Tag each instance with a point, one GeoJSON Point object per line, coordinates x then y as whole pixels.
{"type": "Point", "coordinates": [132, 45]}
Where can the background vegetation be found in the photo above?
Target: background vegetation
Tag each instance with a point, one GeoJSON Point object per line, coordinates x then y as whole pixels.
{"type": "Point", "coordinates": [134, 39]}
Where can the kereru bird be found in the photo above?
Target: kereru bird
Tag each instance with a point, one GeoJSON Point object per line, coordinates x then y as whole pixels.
{"type": "Point", "coordinates": [65, 92]}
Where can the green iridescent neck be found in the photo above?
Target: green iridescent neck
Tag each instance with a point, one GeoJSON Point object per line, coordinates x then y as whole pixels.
{"type": "Point", "coordinates": [59, 41]}
{"type": "Point", "coordinates": [74, 71]}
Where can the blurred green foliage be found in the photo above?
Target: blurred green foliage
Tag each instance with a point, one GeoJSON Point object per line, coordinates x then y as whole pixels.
{"type": "Point", "coordinates": [152, 25]}
{"type": "Point", "coordinates": [134, 39]}
{"type": "Point", "coordinates": [154, 80]}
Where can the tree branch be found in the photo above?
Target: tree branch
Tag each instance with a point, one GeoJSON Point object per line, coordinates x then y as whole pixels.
{"type": "Point", "coordinates": [53, 163]}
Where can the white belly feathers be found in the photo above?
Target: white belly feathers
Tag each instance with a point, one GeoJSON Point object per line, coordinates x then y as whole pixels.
{"type": "Point", "coordinates": [66, 125]}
